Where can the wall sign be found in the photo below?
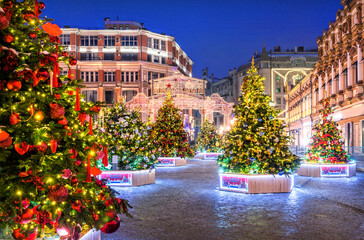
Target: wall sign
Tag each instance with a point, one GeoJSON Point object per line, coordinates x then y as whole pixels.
{"type": "Point", "coordinates": [338, 171]}
{"type": "Point", "coordinates": [114, 178]}
{"type": "Point", "coordinates": [165, 162]}
{"type": "Point", "coordinates": [238, 183]}
{"type": "Point", "coordinates": [212, 155]}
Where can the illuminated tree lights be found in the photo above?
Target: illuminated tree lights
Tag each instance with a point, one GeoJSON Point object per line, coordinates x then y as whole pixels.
{"type": "Point", "coordinates": [127, 137]}
{"type": "Point", "coordinates": [168, 133]}
{"type": "Point", "coordinates": [257, 143]}
{"type": "Point", "coordinates": [47, 152]}
{"type": "Point", "coordinates": [326, 146]}
{"type": "Point", "coordinates": [208, 139]}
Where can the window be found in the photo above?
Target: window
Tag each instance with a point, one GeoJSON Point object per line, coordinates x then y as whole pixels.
{"type": "Point", "coordinates": [136, 76]}
{"type": "Point", "coordinates": [149, 58]}
{"type": "Point", "coordinates": [89, 57]}
{"type": "Point", "coordinates": [109, 97]}
{"type": "Point", "coordinates": [109, 40]}
{"type": "Point", "coordinates": [278, 89]}
{"type": "Point", "coordinates": [90, 95]}
{"type": "Point", "coordinates": [88, 40]}
{"type": "Point", "coordinates": [156, 44]}
{"type": "Point", "coordinates": [109, 76]}
{"type": "Point", "coordinates": [129, 41]}
{"type": "Point", "coordinates": [131, 76]}
{"type": "Point", "coordinates": [149, 42]}
{"type": "Point", "coordinates": [161, 75]}
{"type": "Point", "coordinates": [163, 45]}
{"type": "Point", "coordinates": [65, 39]}
{"type": "Point", "coordinates": [154, 75]}
{"type": "Point", "coordinates": [122, 76]}
{"type": "Point", "coordinates": [163, 60]}
{"type": "Point", "coordinates": [90, 76]}
{"type": "Point", "coordinates": [109, 56]}
{"type": "Point", "coordinates": [345, 78]}
{"type": "Point", "coordinates": [156, 59]}
{"type": "Point", "coordinates": [355, 72]}
{"type": "Point", "coordinates": [278, 78]}
{"type": "Point", "coordinates": [129, 57]}
{"type": "Point", "coordinates": [127, 76]}
{"type": "Point", "coordinates": [337, 83]}
{"type": "Point", "coordinates": [265, 65]}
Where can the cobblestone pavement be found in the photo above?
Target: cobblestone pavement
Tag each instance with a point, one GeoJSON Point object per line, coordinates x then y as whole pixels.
{"type": "Point", "coordinates": [185, 203]}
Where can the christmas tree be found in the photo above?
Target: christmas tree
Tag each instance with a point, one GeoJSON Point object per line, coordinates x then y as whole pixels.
{"type": "Point", "coordinates": [208, 139]}
{"type": "Point", "coordinates": [127, 138]}
{"type": "Point", "coordinates": [326, 145]}
{"type": "Point", "coordinates": [257, 142]}
{"type": "Point", "coordinates": [168, 133]}
{"type": "Point", "coordinates": [47, 152]}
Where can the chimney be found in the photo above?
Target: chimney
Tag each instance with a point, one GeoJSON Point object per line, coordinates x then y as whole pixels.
{"type": "Point", "coordinates": [277, 49]}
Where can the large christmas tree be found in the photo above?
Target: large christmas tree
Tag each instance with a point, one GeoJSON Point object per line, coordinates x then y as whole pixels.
{"type": "Point", "coordinates": [208, 139]}
{"type": "Point", "coordinates": [257, 142]}
{"type": "Point", "coordinates": [326, 144]}
{"type": "Point", "coordinates": [168, 133]}
{"type": "Point", "coordinates": [127, 138]}
{"type": "Point", "coordinates": [47, 152]}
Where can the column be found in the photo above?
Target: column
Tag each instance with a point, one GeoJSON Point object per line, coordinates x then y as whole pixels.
{"type": "Point", "coordinates": [341, 83]}
{"type": "Point", "coordinates": [360, 64]}
{"type": "Point", "coordinates": [319, 88]}
{"type": "Point", "coordinates": [333, 82]}
{"type": "Point", "coordinates": [350, 74]}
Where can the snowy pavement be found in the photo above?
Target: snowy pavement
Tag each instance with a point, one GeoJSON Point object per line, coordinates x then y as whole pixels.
{"type": "Point", "coordinates": [185, 203]}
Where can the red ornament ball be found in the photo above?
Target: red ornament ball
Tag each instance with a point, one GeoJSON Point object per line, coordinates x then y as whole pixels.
{"type": "Point", "coordinates": [73, 61]}
{"type": "Point", "coordinates": [33, 35]}
{"type": "Point", "coordinates": [6, 143]}
{"type": "Point", "coordinates": [18, 234]}
{"type": "Point", "coordinates": [14, 85]}
{"type": "Point", "coordinates": [58, 193]}
{"type": "Point", "coordinates": [4, 21]}
{"type": "Point", "coordinates": [65, 54]}
{"type": "Point", "coordinates": [41, 5]}
{"type": "Point", "coordinates": [111, 226]}
{"type": "Point", "coordinates": [28, 15]}
{"type": "Point", "coordinates": [14, 118]}
{"type": "Point", "coordinates": [42, 74]}
{"type": "Point", "coordinates": [57, 111]}
{"type": "Point", "coordinates": [73, 180]}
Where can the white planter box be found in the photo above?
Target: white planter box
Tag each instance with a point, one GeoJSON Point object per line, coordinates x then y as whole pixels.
{"type": "Point", "coordinates": [327, 170]}
{"type": "Point", "coordinates": [211, 156]}
{"type": "Point", "coordinates": [124, 178]}
{"type": "Point", "coordinates": [246, 183]}
{"type": "Point", "coordinates": [171, 162]}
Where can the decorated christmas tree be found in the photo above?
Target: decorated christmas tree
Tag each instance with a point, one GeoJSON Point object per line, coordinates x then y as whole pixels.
{"type": "Point", "coordinates": [127, 138]}
{"type": "Point", "coordinates": [257, 142]}
{"type": "Point", "coordinates": [47, 151]}
{"type": "Point", "coordinates": [326, 144]}
{"type": "Point", "coordinates": [208, 140]}
{"type": "Point", "coordinates": [168, 134]}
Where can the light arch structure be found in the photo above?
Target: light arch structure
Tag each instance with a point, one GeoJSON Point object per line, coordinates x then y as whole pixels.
{"type": "Point", "coordinates": [187, 94]}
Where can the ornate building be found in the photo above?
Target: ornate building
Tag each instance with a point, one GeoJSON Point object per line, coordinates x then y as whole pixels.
{"type": "Point", "coordinates": [122, 59]}
{"type": "Point", "coordinates": [339, 75]}
{"type": "Point", "coordinates": [281, 69]}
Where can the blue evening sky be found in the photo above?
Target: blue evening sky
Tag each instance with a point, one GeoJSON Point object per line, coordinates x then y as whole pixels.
{"type": "Point", "coordinates": [216, 34]}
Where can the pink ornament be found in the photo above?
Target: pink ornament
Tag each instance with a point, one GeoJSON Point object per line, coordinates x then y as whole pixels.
{"type": "Point", "coordinates": [66, 173]}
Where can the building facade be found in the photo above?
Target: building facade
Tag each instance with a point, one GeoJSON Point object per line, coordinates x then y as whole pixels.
{"type": "Point", "coordinates": [339, 75]}
{"type": "Point", "coordinates": [281, 70]}
{"type": "Point", "coordinates": [122, 59]}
